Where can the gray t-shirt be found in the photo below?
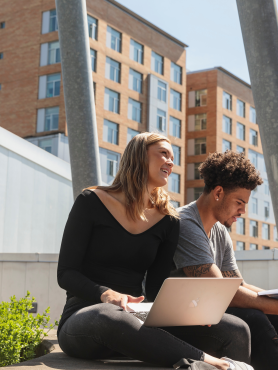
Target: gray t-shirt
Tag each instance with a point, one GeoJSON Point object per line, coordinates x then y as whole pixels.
{"type": "Point", "coordinates": [194, 246]}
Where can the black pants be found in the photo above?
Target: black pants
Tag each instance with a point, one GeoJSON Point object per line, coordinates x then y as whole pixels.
{"type": "Point", "coordinates": [105, 330]}
{"type": "Point", "coordinates": [264, 339]}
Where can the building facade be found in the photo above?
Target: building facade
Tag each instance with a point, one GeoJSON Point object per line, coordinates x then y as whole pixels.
{"type": "Point", "coordinates": [138, 72]}
{"type": "Point", "coordinates": [220, 116]}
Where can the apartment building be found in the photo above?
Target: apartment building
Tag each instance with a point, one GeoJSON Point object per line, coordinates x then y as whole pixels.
{"type": "Point", "coordinates": [221, 115]}
{"type": "Point", "coordinates": [138, 72]}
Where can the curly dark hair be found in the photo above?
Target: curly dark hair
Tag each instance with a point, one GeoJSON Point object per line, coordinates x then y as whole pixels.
{"type": "Point", "coordinates": [230, 170]}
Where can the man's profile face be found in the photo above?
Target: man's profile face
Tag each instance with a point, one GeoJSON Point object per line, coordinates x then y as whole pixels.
{"type": "Point", "coordinates": [232, 206]}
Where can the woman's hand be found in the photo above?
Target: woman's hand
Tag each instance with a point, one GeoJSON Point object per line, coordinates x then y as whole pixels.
{"type": "Point", "coordinates": [118, 299]}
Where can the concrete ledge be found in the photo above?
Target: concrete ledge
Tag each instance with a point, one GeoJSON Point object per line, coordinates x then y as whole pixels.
{"type": "Point", "coordinates": [58, 360]}
{"type": "Point", "coordinates": [29, 257]}
{"type": "Point", "coordinates": [258, 255]}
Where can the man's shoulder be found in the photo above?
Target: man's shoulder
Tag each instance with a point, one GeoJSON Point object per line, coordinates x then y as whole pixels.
{"type": "Point", "coordinates": [188, 211]}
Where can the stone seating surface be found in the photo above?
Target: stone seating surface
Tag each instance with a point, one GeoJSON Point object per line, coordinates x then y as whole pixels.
{"type": "Point", "coordinates": [57, 360]}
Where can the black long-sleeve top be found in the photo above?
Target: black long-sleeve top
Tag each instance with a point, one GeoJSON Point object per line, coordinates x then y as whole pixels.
{"type": "Point", "coordinates": [98, 253]}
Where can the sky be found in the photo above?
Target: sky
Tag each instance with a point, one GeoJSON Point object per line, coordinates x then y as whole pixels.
{"type": "Point", "coordinates": [210, 28]}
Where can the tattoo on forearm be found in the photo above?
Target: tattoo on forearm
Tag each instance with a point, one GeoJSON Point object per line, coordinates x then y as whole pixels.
{"type": "Point", "coordinates": [197, 271]}
{"type": "Point", "coordinates": [232, 274]}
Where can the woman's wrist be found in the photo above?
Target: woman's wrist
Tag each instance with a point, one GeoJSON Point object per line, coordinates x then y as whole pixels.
{"type": "Point", "coordinates": [105, 294]}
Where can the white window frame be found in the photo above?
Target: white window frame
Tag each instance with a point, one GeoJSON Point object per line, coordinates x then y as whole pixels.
{"type": "Point", "coordinates": [240, 108]}
{"type": "Point", "coordinates": [92, 27]}
{"type": "Point", "coordinates": [175, 100]}
{"type": "Point", "coordinates": [174, 183]}
{"type": "Point", "coordinates": [137, 54]}
{"type": "Point", "coordinates": [135, 79]}
{"type": "Point", "coordinates": [177, 154]}
{"type": "Point", "coordinates": [224, 145]}
{"type": "Point", "coordinates": [113, 70]}
{"type": "Point", "coordinates": [253, 137]}
{"type": "Point", "coordinates": [200, 145]}
{"type": "Point", "coordinates": [115, 39]}
{"type": "Point", "coordinates": [113, 101]}
{"type": "Point", "coordinates": [227, 100]}
{"type": "Point", "coordinates": [157, 63]}
{"type": "Point", "coordinates": [227, 125]}
{"type": "Point", "coordinates": [110, 129]}
{"type": "Point", "coordinates": [93, 55]}
{"type": "Point", "coordinates": [240, 131]}
{"type": "Point", "coordinates": [135, 110]}
{"type": "Point", "coordinates": [176, 73]}
{"type": "Point", "coordinates": [175, 127]}
{"type": "Point", "coordinates": [161, 120]}
{"type": "Point", "coordinates": [161, 91]}
{"type": "Point", "coordinates": [51, 117]}
{"type": "Point", "coordinates": [51, 51]}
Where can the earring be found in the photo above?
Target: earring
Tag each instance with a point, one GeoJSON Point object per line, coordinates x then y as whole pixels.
{"type": "Point", "coordinates": [217, 199]}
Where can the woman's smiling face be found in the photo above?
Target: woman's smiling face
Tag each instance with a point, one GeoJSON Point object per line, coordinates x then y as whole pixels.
{"type": "Point", "coordinates": [160, 163]}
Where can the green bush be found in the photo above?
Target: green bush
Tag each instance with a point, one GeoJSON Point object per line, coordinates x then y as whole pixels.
{"type": "Point", "coordinates": [20, 331]}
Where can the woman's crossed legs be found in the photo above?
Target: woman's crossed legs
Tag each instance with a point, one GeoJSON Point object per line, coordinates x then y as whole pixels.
{"type": "Point", "coordinates": [105, 330]}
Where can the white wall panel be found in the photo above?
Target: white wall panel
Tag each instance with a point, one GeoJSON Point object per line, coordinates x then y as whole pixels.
{"type": "Point", "coordinates": [191, 99]}
{"type": "Point", "coordinates": [44, 54]}
{"type": "Point", "coordinates": [190, 147]}
{"type": "Point", "coordinates": [42, 87]}
{"type": "Point", "coordinates": [45, 22]}
{"type": "Point", "coordinates": [40, 119]}
{"type": "Point", "coordinates": [190, 171]}
{"type": "Point", "coordinates": [4, 156]}
{"type": "Point", "coordinates": [191, 122]}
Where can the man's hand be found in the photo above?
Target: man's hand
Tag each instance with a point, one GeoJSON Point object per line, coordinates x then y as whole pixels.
{"type": "Point", "coordinates": [118, 299]}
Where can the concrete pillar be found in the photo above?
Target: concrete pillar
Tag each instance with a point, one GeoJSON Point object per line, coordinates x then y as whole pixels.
{"type": "Point", "coordinates": [78, 93]}
{"type": "Point", "coordinates": [258, 19]}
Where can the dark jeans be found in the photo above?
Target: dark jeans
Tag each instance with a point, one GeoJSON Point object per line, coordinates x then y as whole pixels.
{"type": "Point", "coordinates": [104, 330]}
{"type": "Point", "coordinates": [264, 339]}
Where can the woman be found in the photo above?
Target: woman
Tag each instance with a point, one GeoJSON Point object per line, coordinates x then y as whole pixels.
{"type": "Point", "coordinates": [113, 236]}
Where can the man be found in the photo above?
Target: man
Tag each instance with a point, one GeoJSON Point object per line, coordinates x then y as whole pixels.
{"type": "Point", "coordinates": [205, 248]}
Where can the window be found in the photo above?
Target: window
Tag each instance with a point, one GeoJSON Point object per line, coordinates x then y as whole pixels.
{"type": "Point", "coordinates": [112, 70]}
{"type": "Point", "coordinates": [240, 149]}
{"type": "Point", "coordinates": [266, 209]}
{"type": "Point", "coordinates": [200, 98]}
{"type": "Point", "coordinates": [174, 183]}
{"type": "Point", "coordinates": [177, 155]}
{"type": "Point", "coordinates": [226, 145]}
{"type": "Point", "coordinates": [134, 110]}
{"type": "Point", "coordinates": [253, 247]}
{"type": "Point", "coordinates": [200, 122]}
{"type": "Point", "coordinates": [53, 21]}
{"type": "Point", "coordinates": [227, 125]}
{"type": "Point", "coordinates": [275, 234]}
{"type": "Point", "coordinates": [198, 192]}
{"type": "Point", "coordinates": [2, 25]}
{"type": "Point", "coordinates": [0, 87]}
{"type": "Point", "coordinates": [253, 156]}
{"type": "Point", "coordinates": [92, 27]}
{"type": "Point", "coordinates": [94, 87]}
{"type": "Point", "coordinates": [114, 39]}
{"type": "Point", "coordinates": [131, 133]}
{"type": "Point", "coordinates": [46, 145]}
{"type": "Point", "coordinates": [53, 85]}
{"type": "Point", "coordinates": [1, 55]}
{"type": "Point", "coordinates": [176, 73]}
{"type": "Point", "coordinates": [200, 146]}
{"type": "Point", "coordinates": [93, 54]}
{"type": "Point", "coordinates": [136, 51]}
{"type": "Point", "coordinates": [227, 101]}
{"type": "Point", "coordinates": [240, 108]}
{"type": "Point", "coordinates": [51, 119]}
{"type": "Point", "coordinates": [109, 161]}
{"type": "Point", "coordinates": [240, 246]}
{"type": "Point", "coordinates": [197, 175]}
{"type": "Point", "coordinates": [265, 248]}
{"type": "Point", "coordinates": [240, 226]}
{"type": "Point", "coordinates": [240, 131]}
{"type": "Point", "coordinates": [254, 205]}
{"type": "Point", "coordinates": [253, 137]}
{"type": "Point", "coordinates": [135, 80]}
{"type": "Point", "coordinates": [110, 132]}
{"type": "Point", "coordinates": [161, 91]}
{"type": "Point", "coordinates": [266, 187]}
{"type": "Point", "coordinates": [174, 203]}
{"type": "Point", "coordinates": [175, 100]}
{"type": "Point", "coordinates": [254, 228]}
{"type": "Point", "coordinates": [175, 127]}
{"type": "Point", "coordinates": [112, 101]}
{"type": "Point", "coordinates": [252, 115]}
{"type": "Point", "coordinates": [266, 231]}
{"type": "Point", "coordinates": [157, 63]}
{"type": "Point", "coordinates": [161, 120]}
{"type": "Point", "coordinates": [54, 52]}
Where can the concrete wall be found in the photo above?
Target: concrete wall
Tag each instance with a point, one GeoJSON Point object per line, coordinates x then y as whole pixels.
{"type": "Point", "coordinates": [35, 197]}
{"type": "Point", "coordinates": [37, 273]}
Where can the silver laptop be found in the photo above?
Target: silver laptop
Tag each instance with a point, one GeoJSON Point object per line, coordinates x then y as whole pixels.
{"type": "Point", "coordinates": [188, 301]}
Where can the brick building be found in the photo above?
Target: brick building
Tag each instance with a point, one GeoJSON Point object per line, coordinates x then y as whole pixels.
{"type": "Point", "coordinates": [220, 116]}
{"type": "Point", "coordinates": [138, 73]}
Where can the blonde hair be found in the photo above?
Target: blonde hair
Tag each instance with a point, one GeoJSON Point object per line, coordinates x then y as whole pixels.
{"type": "Point", "coordinates": [132, 178]}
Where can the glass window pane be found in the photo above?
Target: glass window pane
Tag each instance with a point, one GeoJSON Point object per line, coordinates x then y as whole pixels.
{"type": "Point", "coordinates": [200, 98]}
{"type": "Point", "coordinates": [176, 73]}
{"type": "Point", "coordinates": [92, 27]}
{"type": "Point", "coordinates": [177, 154]}
{"type": "Point", "coordinates": [253, 116]}
{"type": "Point", "coordinates": [226, 145]}
{"type": "Point", "coordinates": [227, 125]}
{"type": "Point", "coordinates": [227, 101]}
{"type": "Point", "coordinates": [175, 127]}
{"type": "Point", "coordinates": [161, 91]}
{"type": "Point", "coordinates": [157, 63]}
{"type": "Point", "coordinates": [175, 101]}
{"type": "Point", "coordinates": [137, 54]}
{"type": "Point", "coordinates": [240, 108]}
{"type": "Point", "coordinates": [131, 133]}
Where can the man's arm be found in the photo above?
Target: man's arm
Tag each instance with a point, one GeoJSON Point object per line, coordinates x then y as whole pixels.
{"type": "Point", "coordinates": [244, 297]}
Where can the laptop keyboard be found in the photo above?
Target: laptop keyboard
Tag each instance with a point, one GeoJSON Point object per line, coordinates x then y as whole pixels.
{"type": "Point", "coordinates": [141, 315]}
